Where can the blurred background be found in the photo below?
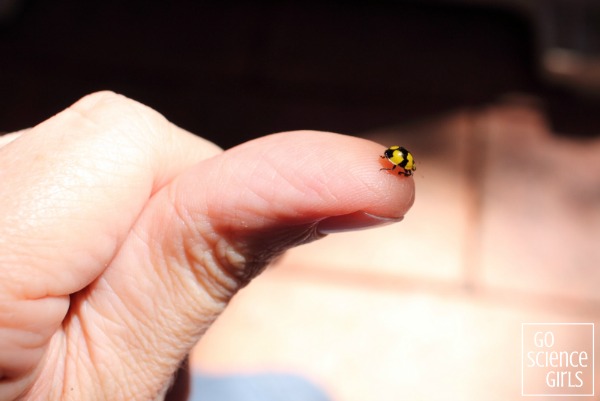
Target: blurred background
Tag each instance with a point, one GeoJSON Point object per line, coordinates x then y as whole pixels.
{"type": "Point", "coordinates": [498, 101]}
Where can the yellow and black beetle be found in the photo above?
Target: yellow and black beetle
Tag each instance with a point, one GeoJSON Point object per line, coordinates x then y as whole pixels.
{"type": "Point", "coordinates": [400, 157]}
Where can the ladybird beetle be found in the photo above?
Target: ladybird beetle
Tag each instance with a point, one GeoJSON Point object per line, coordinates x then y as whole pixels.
{"type": "Point", "coordinates": [399, 156]}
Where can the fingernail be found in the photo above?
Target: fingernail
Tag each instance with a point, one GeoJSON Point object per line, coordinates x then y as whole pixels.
{"type": "Point", "coordinates": [353, 221]}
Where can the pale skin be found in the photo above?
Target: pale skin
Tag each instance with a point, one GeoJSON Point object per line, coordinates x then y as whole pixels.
{"type": "Point", "coordinates": [122, 238]}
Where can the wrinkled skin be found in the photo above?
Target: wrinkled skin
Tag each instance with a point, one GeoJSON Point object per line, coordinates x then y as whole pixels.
{"type": "Point", "coordinates": [122, 238]}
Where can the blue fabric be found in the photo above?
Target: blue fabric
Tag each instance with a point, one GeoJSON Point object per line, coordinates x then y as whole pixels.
{"type": "Point", "coordinates": [259, 387]}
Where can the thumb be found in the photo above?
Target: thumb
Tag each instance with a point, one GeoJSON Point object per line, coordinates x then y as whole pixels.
{"type": "Point", "coordinates": [287, 189]}
{"type": "Point", "coordinates": [235, 212]}
{"type": "Point", "coordinates": [217, 225]}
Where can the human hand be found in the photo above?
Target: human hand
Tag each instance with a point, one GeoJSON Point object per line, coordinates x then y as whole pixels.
{"type": "Point", "coordinates": [122, 238]}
